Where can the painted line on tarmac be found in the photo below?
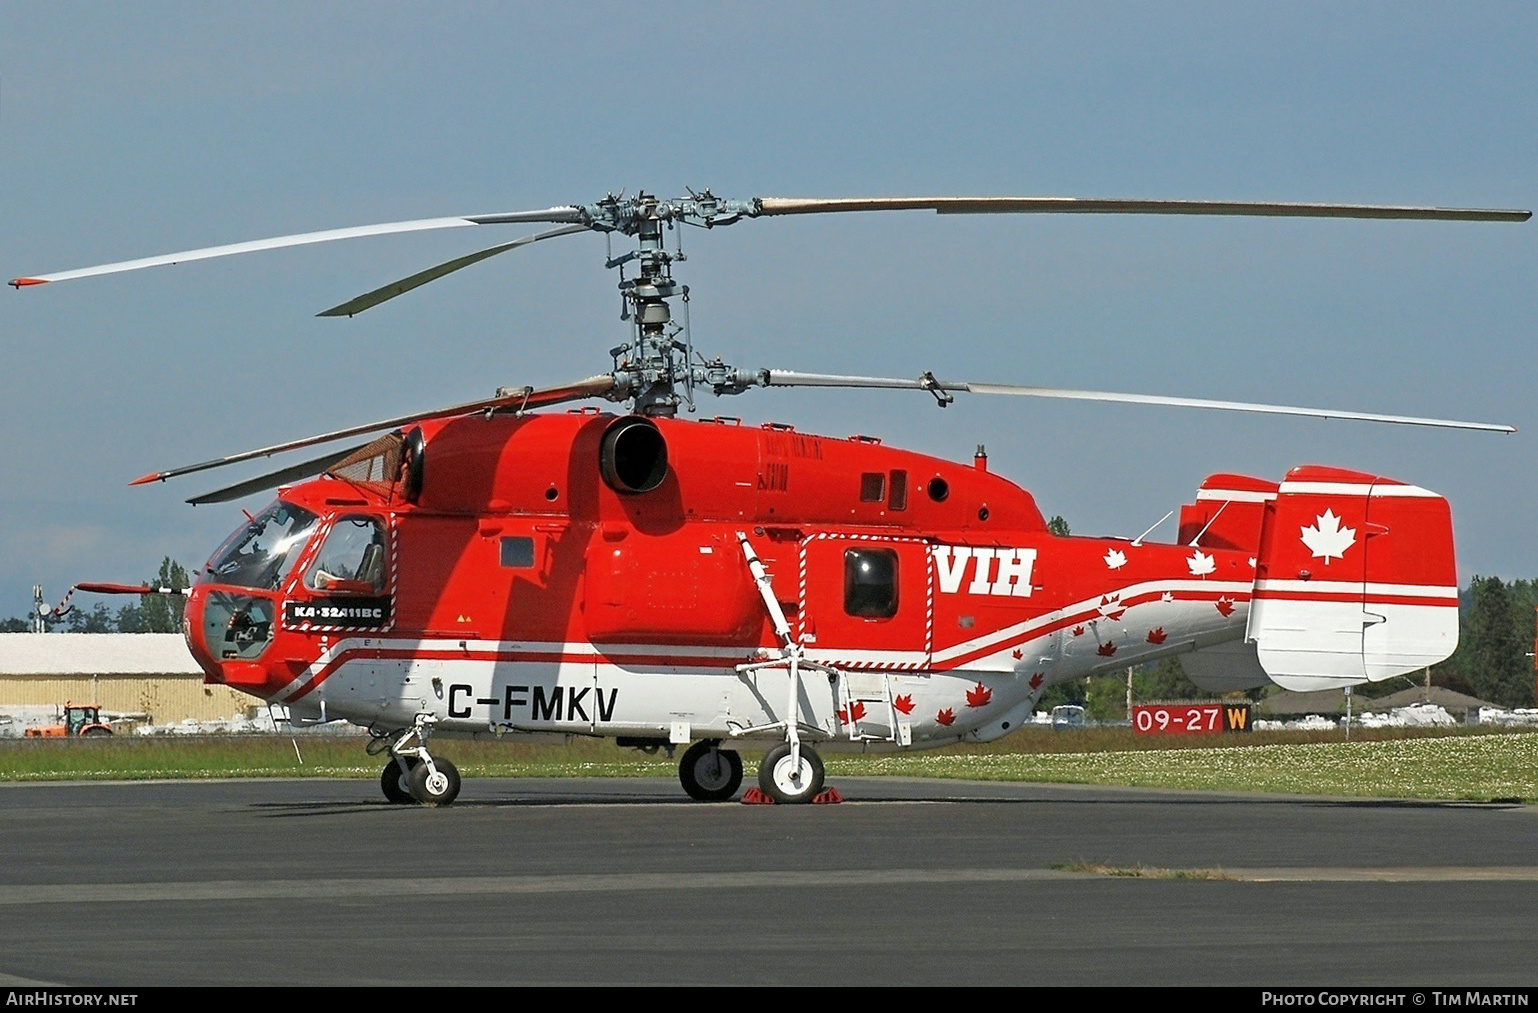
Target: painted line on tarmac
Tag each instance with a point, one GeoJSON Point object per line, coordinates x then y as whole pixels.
{"type": "Point", "coordinates": [341, 889]}
{"type": "Point", "coordinates": [314, 889]}
{"type": "Point", "coordinates": [1407, 874]}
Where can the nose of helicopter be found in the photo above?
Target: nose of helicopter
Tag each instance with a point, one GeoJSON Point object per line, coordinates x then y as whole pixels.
{"type": "Point", "coordinates": [226, 634]}
{"type": "Point", "coordinates": [194, 634]}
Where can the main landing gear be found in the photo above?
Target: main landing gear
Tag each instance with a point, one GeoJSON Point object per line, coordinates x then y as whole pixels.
{"type": "Point", "coordinates": [791, 773]}
{"type": "Point", "coordinates": [710, 773]}
{"type": "Point", "coordinates": [413, 775]}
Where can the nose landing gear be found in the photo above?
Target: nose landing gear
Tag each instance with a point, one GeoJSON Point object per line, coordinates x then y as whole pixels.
{"type": "Point", "coordinates": [413, 775]}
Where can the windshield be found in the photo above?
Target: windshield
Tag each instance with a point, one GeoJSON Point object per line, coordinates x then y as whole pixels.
{"type": "Point", "coordinates": [262, 553]}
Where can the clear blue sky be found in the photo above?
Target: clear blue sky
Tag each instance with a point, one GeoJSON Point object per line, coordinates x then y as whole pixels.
{"type": "Point", "coordinates": [134, 129]}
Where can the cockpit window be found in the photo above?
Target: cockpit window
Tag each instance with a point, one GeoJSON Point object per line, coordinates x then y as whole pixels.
{"type": "Point", "coordinates": [262, 553]}
{"type": "Point", "coordinates": [352, 560]}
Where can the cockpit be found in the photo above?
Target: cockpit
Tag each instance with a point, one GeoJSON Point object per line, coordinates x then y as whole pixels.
{"type": "Point", "coordinates": [252, 579]}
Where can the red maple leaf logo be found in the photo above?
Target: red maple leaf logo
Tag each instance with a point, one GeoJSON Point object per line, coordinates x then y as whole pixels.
{"type": "Point", "coordinates": [856, 712]}
{"type": "Point", "coordinates": [1106, 649]}
{"type": "Point", "coordinates": [1036, 680]}
{"type": "Point", "coordinates": [1078, 631]}
{"type": "Point", "coordinates": [904, 703]}
{"type": "Point", "coordinates": [1226, 605]}
{"type": "Point", "coordinates": [946, 716]}
{"type": "Point", "coordinates": [1157, 636]}
{"type": "Point", "coordinates": [1018, 653]}
{"type": "Point", "coordinates": [979, 695]}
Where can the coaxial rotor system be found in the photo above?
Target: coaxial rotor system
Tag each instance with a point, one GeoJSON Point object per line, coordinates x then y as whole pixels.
{"type": "Point", "coordinates": [657, 369]}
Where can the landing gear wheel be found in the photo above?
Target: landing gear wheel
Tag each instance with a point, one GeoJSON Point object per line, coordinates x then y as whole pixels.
{"type": "Point", "coordinates": [393, 782]}
{"type": "Point", "coordinates": [434, 788]}
{"type": "Point", "coordinates": [786, 785]}
{"type": "Point", "coordinates": [710, 774]}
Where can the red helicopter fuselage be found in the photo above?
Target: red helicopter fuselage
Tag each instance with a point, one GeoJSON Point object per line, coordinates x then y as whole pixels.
{"type": "Point", "coordinates": [586, 574]}
{"type": "Point", "coordinates": [582, 573]}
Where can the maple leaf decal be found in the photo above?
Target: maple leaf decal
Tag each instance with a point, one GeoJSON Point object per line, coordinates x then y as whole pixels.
{"type": "Point", "coordinates": [946, 717]}
{"type": "Point", "coordinates": [1201, 564]}
{"type": "Point", "coordinates": [1018, 653]}
{"type": "Point", "coordinates": [1106, 649]}
{"type": "Point", "coordinates": [1167, 596]}
{"type": "Point", "coordinates": [979, 695]}
{"type": "Point", "coordinates": [1078, 631]}
{"type": "Point", "coordinates": [856, 711]}
{"type": "Point", "coordinates": [1115, 559]}
{"type": "Point", "coordinates": [904, 703]}
{"type": "Point", "coordinates": [1157, 636]}
{"type": "Point", "coordinates": [1327, 538]}
{"type": "Point", "coordinates": [1111, 607]}
{"type": "Point", "coordinates": [1225, 605]}
{"type": "Point", "coordinates": [1038, 679]}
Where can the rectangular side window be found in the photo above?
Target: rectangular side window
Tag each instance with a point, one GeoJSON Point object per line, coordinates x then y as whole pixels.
{"type": "Point", "coordinates": [870, 583]}
{"type": "Point", "coordinates": [517, 551]}
{"type": "Point", "coordinates": [899, 495]}
{"type": "Point", "coordinates": [872, 487]}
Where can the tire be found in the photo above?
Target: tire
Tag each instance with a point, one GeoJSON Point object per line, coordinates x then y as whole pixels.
{"type": "Point", "coordinates": [394, 785]}
{"type": "Point", "coordinates": [786, 786]}
{"type": "Point", "coordinates": [433, 790]}
{"type": "Point", "coordinates": [710, 774]}
{"type": "Point", "coordinates": [97, 730]}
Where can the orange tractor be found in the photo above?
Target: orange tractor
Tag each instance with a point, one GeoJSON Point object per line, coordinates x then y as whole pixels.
{"type": "Point", "coordinates": [79, 719]}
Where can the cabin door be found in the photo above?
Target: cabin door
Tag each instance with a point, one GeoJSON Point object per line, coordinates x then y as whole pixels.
{"type": "Point", "coordinates": [866, 601]}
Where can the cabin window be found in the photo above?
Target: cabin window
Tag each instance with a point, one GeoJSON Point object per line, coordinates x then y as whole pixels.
{"type": "Point", "coordinates": [518, 551]}
{"type": "Point", "coordinates": [870, 583]}
{"type": "Point", "coordinates": [352, 560]}
{"type": "Point", "coordinates": [898, 499]}
{"type": "Point", "coordinates": [872, 487]}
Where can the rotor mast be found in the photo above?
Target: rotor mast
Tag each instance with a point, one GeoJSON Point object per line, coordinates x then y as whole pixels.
{"type": "Point", "coordinates": [656, 369]}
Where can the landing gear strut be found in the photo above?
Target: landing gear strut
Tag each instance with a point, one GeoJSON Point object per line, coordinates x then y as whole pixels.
{"type": "Point", "coordinates": [710, 773]}
{"type": "Point", "coordinates": [792, 771]}
{"type": "Point", "coordinates": [412, 774]}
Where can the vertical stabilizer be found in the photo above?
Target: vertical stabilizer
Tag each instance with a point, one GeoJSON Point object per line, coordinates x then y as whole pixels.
{"type": "Point", "coordinates": [1355, 580]}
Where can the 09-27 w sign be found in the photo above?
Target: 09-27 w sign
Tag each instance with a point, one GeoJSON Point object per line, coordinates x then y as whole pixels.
{"type": "Point", "coordinates": [1190, 718]}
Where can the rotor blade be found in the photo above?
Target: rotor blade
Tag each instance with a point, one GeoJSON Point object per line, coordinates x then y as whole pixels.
{"type": "Point", "coordinates": [1077, 205]}
{"type": "Point", "coordinates": [273, 479]}
{"type": "Point", "coordinates": [515, 400]}
{"type": "Point", "coordinates": [783, 378]}
{"type": "Point", "coordinates": [395, 288]}
{"type": "Point", "coordinates": [556, 214]}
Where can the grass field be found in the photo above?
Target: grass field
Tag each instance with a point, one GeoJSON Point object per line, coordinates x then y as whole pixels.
{"type": "Point", "coordinates": [1463, 764]}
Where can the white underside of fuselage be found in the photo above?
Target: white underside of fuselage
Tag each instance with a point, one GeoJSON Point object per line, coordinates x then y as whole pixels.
{"type": "Point", "coordinates": [978, 689]}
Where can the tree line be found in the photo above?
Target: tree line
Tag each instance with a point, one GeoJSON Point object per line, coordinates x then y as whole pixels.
{"type": "Point", "coordinates": [151, 613]}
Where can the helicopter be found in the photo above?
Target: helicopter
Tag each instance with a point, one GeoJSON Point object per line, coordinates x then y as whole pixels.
{"type": "Point", "coordinates": [496, 568]}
